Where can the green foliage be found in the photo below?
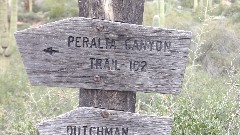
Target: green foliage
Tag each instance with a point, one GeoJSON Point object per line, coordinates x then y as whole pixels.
{"type": "Point", "coordinates": [56, 12]}
{"type": "Point", "coordinates": [150, 9]}
{"type": "Point", "coordinates": [169, 7]}
{"type": "Point", "coordinates": [216, 1]}
{"type": "Point", "coordinates": [55, 9]}
{"type": "Point", "coordinates": [61, 8]}
{"type": "Point", "coordinates": [30, 17]}
{"type": "Point", "coordinates": [225, 10]}
{"type": "Point", "coordinates": [218, 11]}
{"type": "Point", "coordinates": [179, 20]}
{"type": "Point", "coordinates": [236, 18]}
{"type": "Point", "coordinates": [206, 106]}
{"type": "Point", "coordinates": [23, 106]}
{"type": "Point", "coordinates": [219, 48]}
{"type": "Point", "coordinates": [233, 9]}
{"type": "Point", "coordinates": [162, 12]}
{"type": "Point", "coordinates": [233, 12]}
{"type": "Point", "coordinates": [187, 3]}
{"type": "Point", "coordinates": [156, 12]}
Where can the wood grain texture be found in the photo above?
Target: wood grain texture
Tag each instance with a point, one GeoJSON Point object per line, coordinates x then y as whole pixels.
{"type": "Point", "coordinates": [111, 100]}
{"type": "Point", "coordinates": [136, 124]}
{"type": "Point", "coordinates": [128, 11]}
{"type": "Point", "coordinates": [50, 61]}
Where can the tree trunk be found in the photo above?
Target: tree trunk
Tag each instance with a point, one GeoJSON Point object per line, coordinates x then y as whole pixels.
{"type": "Point", "coordinates": [30, 5]}
{"type": "Point", "coordinates": [4, 31]}
{"type": "Point", "coordinates": [129, 11]}
{"type": "Point", "coordinates": [13, 27]}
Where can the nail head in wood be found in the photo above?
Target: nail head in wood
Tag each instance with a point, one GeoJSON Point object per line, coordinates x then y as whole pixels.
{"type": "Point", "coordinates": [97, 78]}
{"type": "Point", "coordinates": [100, 27]}
{"type": "Point", "coordinates": [104, 114]}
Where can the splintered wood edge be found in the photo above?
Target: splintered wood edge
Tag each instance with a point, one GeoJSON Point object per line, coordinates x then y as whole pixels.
{"type": "Point", "coordinates": [118, 23]}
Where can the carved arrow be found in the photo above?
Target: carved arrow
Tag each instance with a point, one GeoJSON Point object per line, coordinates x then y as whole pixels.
{"type": "Point", "coordinates": [50, 50]}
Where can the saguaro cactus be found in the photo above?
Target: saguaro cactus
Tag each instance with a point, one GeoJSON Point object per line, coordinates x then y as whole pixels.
{"type": "Point", "coordinates": [162, 12]}
{"type": "Point", "coordinates": [169, 6]}
{"type": "Point", "coordinates": [159, 18]}
{"type": "Point", "coordinates": [1, 49]}
{"type": "Point", "coordinates": [14, 9]}
{"type": "Point", "coordinates": [4, 31]}
{"type": "Point", "coordinates": [201, 4]}
{"type": "Point", "coordinates": [13, 28]}
{"type": "Point", "coordinates": [156, 21]}
{"type": "Point", "coordinates": [195, 5]}
{"type": "Point", "coordinates": [210, 3]}
{"type": "Point", "coordinates": [30, 5]}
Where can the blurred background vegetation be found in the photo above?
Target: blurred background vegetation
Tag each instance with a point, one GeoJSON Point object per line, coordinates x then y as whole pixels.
{"type": "Point", "coordinates": [210, 99]}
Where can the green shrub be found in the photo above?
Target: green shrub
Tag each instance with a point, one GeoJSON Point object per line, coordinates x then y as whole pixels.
{"type": "Point", "coordinates": [30, 17]}
{"type": "Point", "coordinates": [207, 105]}
{"type": "Point", "coordinates": [23, 106]}
{"type": "Point", "coordinates": [57, 9]}
{"type": "Point", "coordinates": [219, 48]}
{"type": "Point", "coordinates": [218, 11]}
{"type": "Point", "coordinates": [236, 18]}
{"type": "Point", "coordinates": [56, 12]}
{"type": "Point", "coordinates": [187, 3]}
{"type": "Point", "coordinates": [233, 9]}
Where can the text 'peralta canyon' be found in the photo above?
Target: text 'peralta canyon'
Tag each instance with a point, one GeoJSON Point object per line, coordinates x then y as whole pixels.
{"type": "Point", "coordinates": [127, 44]}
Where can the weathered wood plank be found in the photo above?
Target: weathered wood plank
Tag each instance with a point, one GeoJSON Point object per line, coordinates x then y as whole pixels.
{"type": "Point", "coordinates": [98, 54]}
{"type": "Point", "coordinates": [93, 121]}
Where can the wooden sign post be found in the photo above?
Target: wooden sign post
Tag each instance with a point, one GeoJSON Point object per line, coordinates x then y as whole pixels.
{"type": "Point", "coordinates": [128, 11]}
{"type": "Point", "coordinates": [110, 61]}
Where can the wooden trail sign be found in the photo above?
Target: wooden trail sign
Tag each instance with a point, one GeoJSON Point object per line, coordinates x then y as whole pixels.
{"type": "Point", "coordinates": [93, 121]}
{"type": "Point", "coordinates": [99, 54]}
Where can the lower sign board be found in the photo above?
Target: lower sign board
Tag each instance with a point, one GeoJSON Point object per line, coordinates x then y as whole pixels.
{"type": "Point", "coordinates": [92, 121]}
{"type": "Point", "coordinates": [99, 54]}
